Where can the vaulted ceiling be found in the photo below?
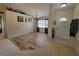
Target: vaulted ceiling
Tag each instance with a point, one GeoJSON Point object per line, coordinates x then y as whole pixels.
{"type": "Point", "coordinates": [30, 8]}
{"type": "Point", "coordinates": [42, 9]}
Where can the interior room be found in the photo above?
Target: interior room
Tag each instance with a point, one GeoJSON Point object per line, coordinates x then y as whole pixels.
{"type": "Point", "coordinates": [39, 29]}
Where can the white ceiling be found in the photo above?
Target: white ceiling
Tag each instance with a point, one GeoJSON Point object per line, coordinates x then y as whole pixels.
{"type": "Point", "coordinates": [56, 6]}
{"type": "Point", "coordinates": [32, 8]}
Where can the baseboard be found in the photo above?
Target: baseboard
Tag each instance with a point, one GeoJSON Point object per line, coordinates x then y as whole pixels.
{"type": "Point", "coordinates": [9, 37]}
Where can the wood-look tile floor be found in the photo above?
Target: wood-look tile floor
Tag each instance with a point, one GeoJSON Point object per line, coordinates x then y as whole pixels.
{"type": "Point", "coordinates": [41, 46]}
{"type": "Point", "coordinates": [1, 36]}
{"type": "Point", "coordinates": [29, 41]}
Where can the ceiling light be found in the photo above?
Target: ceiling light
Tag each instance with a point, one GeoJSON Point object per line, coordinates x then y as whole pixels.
{"type": "Point", "coordinates": [63, 4]}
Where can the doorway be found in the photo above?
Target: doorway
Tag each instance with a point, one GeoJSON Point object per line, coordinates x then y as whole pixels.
{"type": "Point", "coordinates": [42, 25]}
{"type": "Point", "coordinates": [1, 28]}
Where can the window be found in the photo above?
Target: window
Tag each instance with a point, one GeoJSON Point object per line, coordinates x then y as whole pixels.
{"type": "Point", "coordinates": [63, 19]}
{"type": "Point", "coordinates": [42, 23]}
{"type": "Point", "coordinates": [46, 23]}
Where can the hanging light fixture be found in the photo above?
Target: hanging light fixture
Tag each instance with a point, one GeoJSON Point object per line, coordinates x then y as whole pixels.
{"type": "Point", "coordinates": [63, 4]}
{"type": "Point", "coordinates": [36, 15]}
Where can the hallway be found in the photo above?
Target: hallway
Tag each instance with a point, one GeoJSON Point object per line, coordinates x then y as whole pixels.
{"type": "Point", "coordinates": [24, 27]}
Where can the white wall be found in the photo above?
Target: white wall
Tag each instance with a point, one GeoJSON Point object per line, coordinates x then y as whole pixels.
{"type": "Point", "coordinates": [76, 11]}
{"type": "Point", "coordinates": [15, 28]}
{"type": "Point", "coordinates": [50, 21]}
{"type": "Point", "coordinates": [76, 15]}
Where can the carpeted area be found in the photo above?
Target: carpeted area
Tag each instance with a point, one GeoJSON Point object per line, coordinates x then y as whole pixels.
{"type": "Point", "coordinates": [27, 42]}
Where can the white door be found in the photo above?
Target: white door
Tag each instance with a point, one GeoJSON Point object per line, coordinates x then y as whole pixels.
{"type": "Point", "coordinates": [62, 30]}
